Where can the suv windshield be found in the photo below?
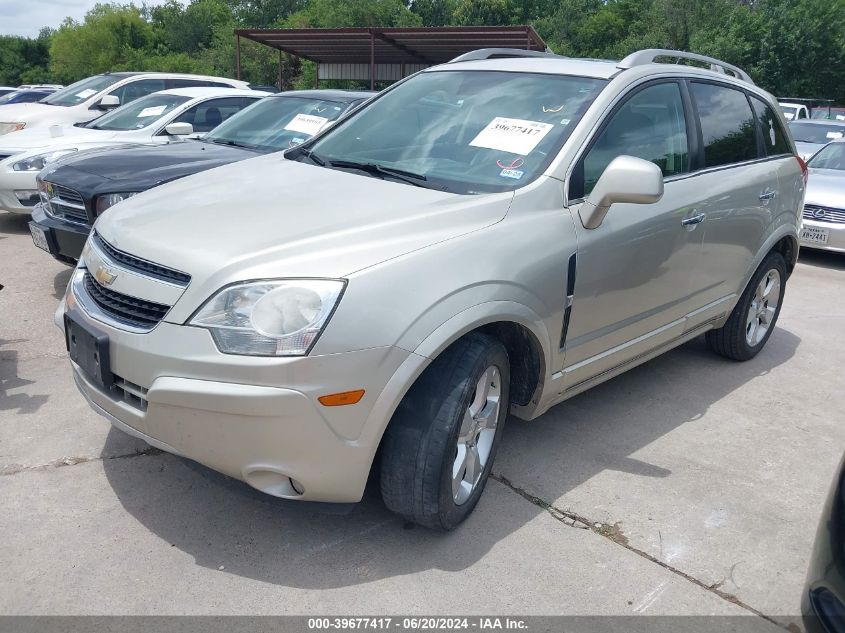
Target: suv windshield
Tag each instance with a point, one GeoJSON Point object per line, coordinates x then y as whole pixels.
{"type": "Point", "coordinates": [831, 156]}
{"type": "Point", "coordinates": [81, 90]}
{"type": "Point", "coordinates": [789, 111]}
{"type": "Point", "coordinates": [276, 123]}
{"type": "Point", "coordinates": [462, 131]}
{"type": "Point", "coordinates": [139, 113]}
{"type": "Point", "coordinates": [816, 132]}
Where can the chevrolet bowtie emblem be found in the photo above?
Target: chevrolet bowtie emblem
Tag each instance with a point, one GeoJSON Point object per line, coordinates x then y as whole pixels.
{"type": "Point", "coordinates": [105, 275]}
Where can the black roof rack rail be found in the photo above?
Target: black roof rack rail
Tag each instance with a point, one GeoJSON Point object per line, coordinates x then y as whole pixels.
{"type": "Point", "coordinates": [649, 55]}
{"type": "Point", "coordinates": [501, 53]}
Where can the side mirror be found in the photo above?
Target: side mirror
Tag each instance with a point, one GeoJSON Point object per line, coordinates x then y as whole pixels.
{"type": "Point", "coordinates": [108, 102]}
{"type": "Point", "coordinates": [179, 129]}
{"type": "Point", "coordinates": [625, 179]}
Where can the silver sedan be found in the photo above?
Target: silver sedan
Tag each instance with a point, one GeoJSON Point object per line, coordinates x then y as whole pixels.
{"type": "Point", "coordinates": [811, 135]}
{"type": "Point", "coordinates": [824, 206]}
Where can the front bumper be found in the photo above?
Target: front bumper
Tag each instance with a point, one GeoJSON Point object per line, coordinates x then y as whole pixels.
{"type": "Point", "coordinates": [254, 419]}
{"type": "Point", "coordinates": [12, 181]}
{"type": "Point", "coordinates": [65, 239]}
{"type": "Point", "coordinates": [835, 240]}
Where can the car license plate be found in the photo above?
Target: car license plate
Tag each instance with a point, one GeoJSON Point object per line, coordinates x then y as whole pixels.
{"type": "Point", "coordinates": [814, 235]}
{"type": "Point", "coordinates": [89, 349]}
{"type": "Point", "coordinates": [39, 238]}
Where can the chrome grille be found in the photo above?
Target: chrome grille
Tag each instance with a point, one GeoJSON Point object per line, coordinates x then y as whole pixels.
{"type": "Point", "coordinates": [138, 313]}
{"type": "Point", "coordinates": [67, 204]}
{"type": "Point", "coordinates": [141, 265]}
{"type": "Point", "coordinates": [824, 214]}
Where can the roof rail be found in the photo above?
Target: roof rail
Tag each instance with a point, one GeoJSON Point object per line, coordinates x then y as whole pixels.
{"type": "Point", "coordinates": [499, 53]}
{"type": "Point", "coordinates": [649, 55]}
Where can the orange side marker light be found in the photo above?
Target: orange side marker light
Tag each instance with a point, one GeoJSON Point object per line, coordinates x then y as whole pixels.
{"type": "Point", "coordinates": [341, 399]}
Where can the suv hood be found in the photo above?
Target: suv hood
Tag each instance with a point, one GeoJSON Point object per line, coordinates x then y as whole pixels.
{"type": "Point", "coordinates": [29, 112]}
{"type": "Point", "coordinates": [270, 217]}
{"type": "Point", "coordinates": [141, 167]}
{"type": "Point", "coordinates": [826, 188]}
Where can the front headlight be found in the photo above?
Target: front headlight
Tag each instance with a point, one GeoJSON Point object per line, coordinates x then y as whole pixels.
{"type": "Point", "coordinates": [37, 162]}
{"type": "Point", "coordinates": [270, 318]}
{"type": "Point", "coordinates": [110, 199]}
{"type": "Point", "coordinates": [5, 128]}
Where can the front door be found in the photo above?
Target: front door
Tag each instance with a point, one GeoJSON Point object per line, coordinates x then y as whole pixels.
{"type": "Point", "coordinates": [637, 273]}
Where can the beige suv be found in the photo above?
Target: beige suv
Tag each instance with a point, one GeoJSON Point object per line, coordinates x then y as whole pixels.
{"type": "Point", "coordinates": [490, 236]}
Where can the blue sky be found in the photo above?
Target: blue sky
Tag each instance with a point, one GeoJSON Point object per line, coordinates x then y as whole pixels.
{"type": "Point", "coordinates": [26, 17]}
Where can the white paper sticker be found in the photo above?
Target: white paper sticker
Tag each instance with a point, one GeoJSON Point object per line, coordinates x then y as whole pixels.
{"type": "Point", "coordinates": [152, 111]}
{"type": "Point", "coordinates": [86, 93]}
{"type": "Point", "coordinates": [516, 136]}
{"type": "Point", "coordinates": [834, 135]}
{"type": "Point", "coordinates": [306, 124]}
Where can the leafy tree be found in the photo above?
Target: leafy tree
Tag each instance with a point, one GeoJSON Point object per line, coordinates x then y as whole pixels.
{"type": "Point", "coordinates": [111, 37]}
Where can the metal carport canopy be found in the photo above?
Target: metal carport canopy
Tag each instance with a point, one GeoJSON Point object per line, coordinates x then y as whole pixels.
{"type": "Point", "coordinates": [347, 49]}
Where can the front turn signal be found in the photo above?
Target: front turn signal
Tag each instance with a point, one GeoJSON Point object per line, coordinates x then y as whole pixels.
{"type": "Point", "coordinates": [341, 399]}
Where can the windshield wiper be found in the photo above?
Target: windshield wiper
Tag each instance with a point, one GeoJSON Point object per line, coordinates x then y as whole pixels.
{"type": "Point", "coordinates": [225, 142]}
{"type": "Point", "coordinates": [380, 170]}
{"type": "Point", "coordinates": [314, 157]}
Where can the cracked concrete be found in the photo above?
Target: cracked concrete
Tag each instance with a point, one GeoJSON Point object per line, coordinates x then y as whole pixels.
{"type": "Point", "coordinates": [687, 486]}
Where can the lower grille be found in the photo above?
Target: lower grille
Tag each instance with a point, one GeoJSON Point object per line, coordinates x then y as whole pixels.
{"type": "Point", "coordinates": [824, 214]}
{"type": "Point", "coordinates": [136, 312]}
{"type": "Point", "coordinates": [132, 394]}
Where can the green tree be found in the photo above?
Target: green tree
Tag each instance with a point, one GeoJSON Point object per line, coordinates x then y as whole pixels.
{"type": "Point", "coordinates": [111, 37]}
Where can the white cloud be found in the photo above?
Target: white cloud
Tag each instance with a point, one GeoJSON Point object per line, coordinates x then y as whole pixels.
{"type": "Point", "coordinates": [27, 17]}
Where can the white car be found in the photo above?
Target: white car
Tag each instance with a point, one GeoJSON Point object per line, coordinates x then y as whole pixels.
{"type": "Point", "coordinates": [154, 119]}
{"type": "Point", "coordinates": [794, 111]}
{"type": "Point", "coordinates": [89, 98]}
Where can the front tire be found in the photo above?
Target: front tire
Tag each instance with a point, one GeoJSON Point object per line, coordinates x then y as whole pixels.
{"type": "Point", "coordinates": [753, 318]}
{"type": "Point", "coordinates": [439, 447]}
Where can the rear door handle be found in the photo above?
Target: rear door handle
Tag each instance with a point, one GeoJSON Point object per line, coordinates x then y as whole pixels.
{"type": "Point", "coordinates": [768, 195]}
{"type": "Point", "coordinates": [696, 219]}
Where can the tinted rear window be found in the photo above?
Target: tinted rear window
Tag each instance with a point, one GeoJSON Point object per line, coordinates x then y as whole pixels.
{"type": "Point", "coordinates": [819, 133]}
{"type": "Point", "coordinates": [774, 137]}
{"type": "Point", "coordinates": [727, 124]}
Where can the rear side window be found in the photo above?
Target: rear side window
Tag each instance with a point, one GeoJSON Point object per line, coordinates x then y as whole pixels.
{"type": "Point", "coordinates": [774, 138]}
{"type": "Point", "coordinates": [649, 125]}
{"type": "Point", "coordinates": [727, 125]}
{"type": "Point", "coordinates": [209, 114]}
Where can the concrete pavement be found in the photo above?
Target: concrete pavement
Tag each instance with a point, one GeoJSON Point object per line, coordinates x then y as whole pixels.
{"type": "Point", "coordinates": [690, 485]}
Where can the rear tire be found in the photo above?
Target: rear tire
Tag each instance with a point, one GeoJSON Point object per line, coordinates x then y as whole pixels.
{"type": "Point", "coordinates": [753, 318]}
{"type": "Point", "coordinates": [438, 449]}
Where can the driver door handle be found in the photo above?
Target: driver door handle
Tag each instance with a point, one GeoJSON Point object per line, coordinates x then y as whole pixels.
{"type": "Point", "coordinates": [768, 195]}
{"type": "Point", "coordinates": [696, 219]}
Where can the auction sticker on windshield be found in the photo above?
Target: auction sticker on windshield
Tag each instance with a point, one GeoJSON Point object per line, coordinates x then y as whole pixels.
{"type": "Point", "coordinates": [152, 111]}
{"type": "Point", "coordinates": [516, 136]}
{"type": "Point", "coordinates": [306, 124]}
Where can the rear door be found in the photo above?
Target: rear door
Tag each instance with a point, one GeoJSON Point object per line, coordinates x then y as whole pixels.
{"type": "Point", "coordinates": [742, 193]}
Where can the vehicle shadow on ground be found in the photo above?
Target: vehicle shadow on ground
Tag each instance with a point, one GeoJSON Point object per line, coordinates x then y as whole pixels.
{"type": "Point", "coordinates": [13, 224]}
{"type": "Point", "coordinates": [9, 380]}
{"type": "Point", "coordinates": [822, 259]}
{"type": "Point", "coordinates": [225, 525]}
{"type": "Point", "coordinates": [60, 282]}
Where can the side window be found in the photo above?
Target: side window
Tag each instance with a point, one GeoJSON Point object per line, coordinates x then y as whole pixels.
{"type": "Point", "coordinates": [141, 88]}
{"type": "Point", "coordinates": [774, 139]}
{"type": "Point", "coordinates": [187, 83]}
{"type": "Point", "coordinates": [727, 125]}
{"type": "Point", "coordinates": [649, 125]}
{"type": "Point", "coordinates": [209, 114]}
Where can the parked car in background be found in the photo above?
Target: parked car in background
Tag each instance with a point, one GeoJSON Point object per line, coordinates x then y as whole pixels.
{"type": "Point", "coordinates": [794, 111]}
{"type": "Point", "coordinates": [835, 113]}
{"type": "Point", "coordinates": [811, 135]}
{"type": "Point", "coordinates": [824, 206]}
{"type": "Point", "coordinates": [823, 600]}
{"type": "Point", "coordinates": [4, 90]}
{"type": "Point", "coordinates": [26, 95]}
{"type": "Point", "coordinates": [489, 236]}
{"type": "Point", "coordinates": [80, 188]}
{"type": "Point", "coordinates": [52, 87]}
{"type": "Point", "coordinates": [89, 98]}
{"type": "Point", "coordinates": [155, 119]}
